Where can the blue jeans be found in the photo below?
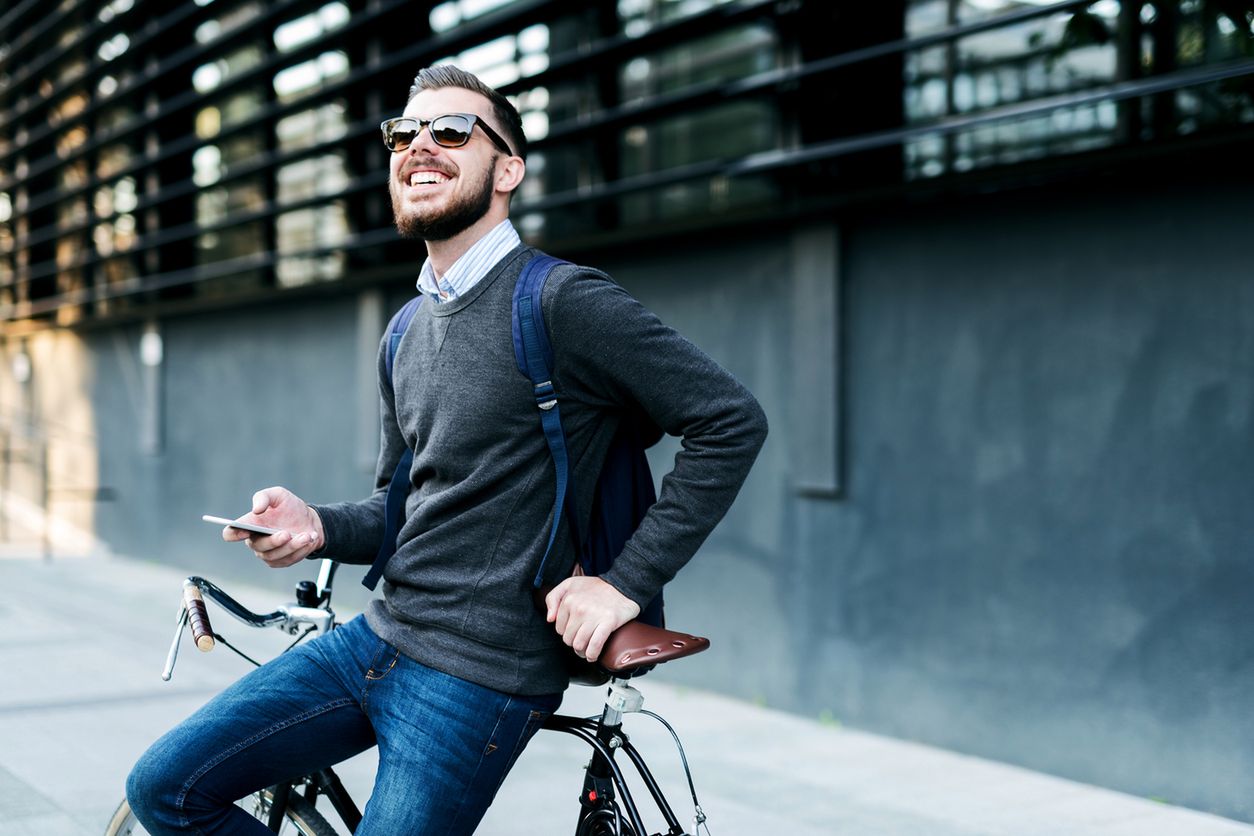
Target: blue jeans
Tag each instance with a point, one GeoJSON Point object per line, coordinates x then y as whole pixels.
{"type": "Point", "coordinates": [445, 745]}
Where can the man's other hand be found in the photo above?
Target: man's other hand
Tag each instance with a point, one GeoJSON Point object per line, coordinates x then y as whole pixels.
{"type": "Point", "coordinates": [585, 611]}
{"type": "Point", "coordinates": [300, 534]}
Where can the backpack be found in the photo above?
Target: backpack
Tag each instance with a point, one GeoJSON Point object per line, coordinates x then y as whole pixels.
{"type": "Point", "coordinates": [624, 491]}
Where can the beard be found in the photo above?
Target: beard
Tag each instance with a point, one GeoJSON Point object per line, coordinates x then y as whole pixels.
{"type": "Point", "coordinates": [426, 225]}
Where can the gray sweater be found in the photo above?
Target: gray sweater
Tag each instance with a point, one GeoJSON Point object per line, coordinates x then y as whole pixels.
{"type": "Point", "coordinates": [457, 594]}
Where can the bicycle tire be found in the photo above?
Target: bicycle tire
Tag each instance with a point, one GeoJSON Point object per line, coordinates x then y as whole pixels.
{"type": "Point", "coordinates": [602, 823]}
{"type": "Point", "coordinates": [301, 815]}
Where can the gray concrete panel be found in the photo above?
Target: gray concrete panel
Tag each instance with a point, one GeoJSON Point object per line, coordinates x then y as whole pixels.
{"type": "Point", "coordinates": [1044, 555]}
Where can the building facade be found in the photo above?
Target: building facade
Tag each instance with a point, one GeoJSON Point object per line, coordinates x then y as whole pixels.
{"type": "Point", "coordinates": [984, 262]}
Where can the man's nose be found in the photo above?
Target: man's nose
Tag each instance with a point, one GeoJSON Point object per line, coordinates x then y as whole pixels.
{"type": "Point", "coordinates": [424, 142]}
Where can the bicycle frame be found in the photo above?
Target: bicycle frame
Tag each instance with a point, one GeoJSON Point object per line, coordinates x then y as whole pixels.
{"type": "Point", "coordinates": [324, 783]}
{"type": "Point", "coordinates": [605, 799]}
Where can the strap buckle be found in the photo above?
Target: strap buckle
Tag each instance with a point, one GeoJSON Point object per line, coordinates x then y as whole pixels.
{"type": "Point", "coordinates": [546, 395]}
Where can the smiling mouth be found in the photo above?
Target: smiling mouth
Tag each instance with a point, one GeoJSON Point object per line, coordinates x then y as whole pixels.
{"type": "Point", "coordinates": [427, 178]}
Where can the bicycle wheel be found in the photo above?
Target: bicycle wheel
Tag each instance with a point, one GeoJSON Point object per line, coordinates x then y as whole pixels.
{"type": "Point", "coordinates": [603, 822]}
{"type": "Point", "coordinates": [301, 818]}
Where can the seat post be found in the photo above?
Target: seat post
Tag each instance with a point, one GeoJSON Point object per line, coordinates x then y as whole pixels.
{"type": "Point", "coordinates": [621, 699]}
{"type": "Point", "coordinates": [598, 789]}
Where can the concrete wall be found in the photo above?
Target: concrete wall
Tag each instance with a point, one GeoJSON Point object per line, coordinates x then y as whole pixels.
{"type": "Point", "coordinates": [1001, 509]}
{"type": "Point", "coordinates": [1040, 551]}
{"type": "Point", "coordinates": [248, 398]}
{"type": "Point", "coordinates": [1044, 556]}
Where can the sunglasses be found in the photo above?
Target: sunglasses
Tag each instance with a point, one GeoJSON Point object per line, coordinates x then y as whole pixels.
{"type": "Point", "coordinates": [452, 130]}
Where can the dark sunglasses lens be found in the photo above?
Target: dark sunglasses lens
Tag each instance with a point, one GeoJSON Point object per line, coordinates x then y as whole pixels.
{"type": "Point", "coordinates": [451, 131]}
{"type": "Point", "coordinates": [400, 133]}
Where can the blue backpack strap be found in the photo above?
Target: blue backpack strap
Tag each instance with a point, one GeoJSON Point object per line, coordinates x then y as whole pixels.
{"type": "Point", "coordinates": [624, 491]}
{"type": "Point", "coordinates": [534, 355]}
{"type": "Point", "coordinates": [398, 487]}
{"type": "Point", "coordinates": [396, 330]}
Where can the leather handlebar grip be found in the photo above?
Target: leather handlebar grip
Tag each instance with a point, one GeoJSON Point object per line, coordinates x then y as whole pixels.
{"type": "Point", "coordinates": [198, 617]}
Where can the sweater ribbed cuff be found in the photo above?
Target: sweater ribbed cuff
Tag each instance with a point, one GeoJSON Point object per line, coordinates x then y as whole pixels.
{"type": "Point", "coordinates": [332, 545]}
{"type": "Point", "coordinates": [636, 577]}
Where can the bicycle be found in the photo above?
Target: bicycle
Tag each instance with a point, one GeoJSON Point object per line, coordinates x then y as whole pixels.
{"type": "Point", "coordinates": [607, 807]}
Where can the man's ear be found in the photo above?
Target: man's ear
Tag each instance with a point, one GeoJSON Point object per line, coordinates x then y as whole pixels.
{"type": "Point", "coordinates": [509, 173]}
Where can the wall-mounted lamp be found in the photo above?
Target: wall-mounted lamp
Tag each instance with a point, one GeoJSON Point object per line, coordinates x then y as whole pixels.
{"type": "Point", "coordinates": [151, 356]}
{"type": "Point", "coordinates": [151, 348]}
{"type": "Point", "coordinates": [20, 366]}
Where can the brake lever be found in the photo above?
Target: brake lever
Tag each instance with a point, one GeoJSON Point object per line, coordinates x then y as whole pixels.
{"type": "Point", "coordinates": [172, 656]}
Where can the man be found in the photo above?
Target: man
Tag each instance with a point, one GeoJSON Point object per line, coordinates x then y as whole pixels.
{"type": "Point", "coordinates": [455, 668]}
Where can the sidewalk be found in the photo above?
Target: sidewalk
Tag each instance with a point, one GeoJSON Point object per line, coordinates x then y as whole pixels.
{"type": "Point", "coordinates": [82, 642]}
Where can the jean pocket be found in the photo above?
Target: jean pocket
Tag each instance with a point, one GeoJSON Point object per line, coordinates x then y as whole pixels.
{"type": "Point", "coordinates": [385, 658]}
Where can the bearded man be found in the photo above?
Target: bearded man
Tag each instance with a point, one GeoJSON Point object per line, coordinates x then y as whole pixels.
{"type": "Point", "coordinates": [453, 670]}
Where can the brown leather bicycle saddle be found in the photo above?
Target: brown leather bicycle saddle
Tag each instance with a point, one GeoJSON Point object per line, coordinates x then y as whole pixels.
{"type": "Point", "coordinates": [633, 648]}
{"type": "Point", "coordinates": [635, 645]}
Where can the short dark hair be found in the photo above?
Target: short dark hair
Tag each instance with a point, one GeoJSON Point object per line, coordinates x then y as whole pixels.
{"type": "Point", "coordinates": [506, 115]}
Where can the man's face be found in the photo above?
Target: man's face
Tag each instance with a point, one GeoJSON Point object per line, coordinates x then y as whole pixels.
{"type": "Point", "coordinates": [438, 192]}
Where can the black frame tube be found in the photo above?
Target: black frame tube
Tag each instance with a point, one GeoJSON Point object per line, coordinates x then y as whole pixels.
{"type": "Point", "coordinates": [589, 731]}
{"type": "Point", "coordinates": [330, 785]}
{"type": "Point", "coordinates": [584, 730]}
{"type": "Point", "coordinates": [646, 775]}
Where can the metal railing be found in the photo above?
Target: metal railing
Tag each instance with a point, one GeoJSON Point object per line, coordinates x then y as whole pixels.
{"type": "Point", "coordinates": [595, 54]}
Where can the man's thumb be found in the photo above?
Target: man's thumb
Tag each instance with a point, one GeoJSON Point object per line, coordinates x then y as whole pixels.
{"type": "Point", "coordinates": [263, 500]}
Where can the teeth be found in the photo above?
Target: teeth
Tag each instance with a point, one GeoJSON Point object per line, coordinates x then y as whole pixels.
{"type": "Point", "coordinates": [426, 177]}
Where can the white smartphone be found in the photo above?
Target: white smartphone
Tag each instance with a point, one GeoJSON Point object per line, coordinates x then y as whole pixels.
{"type": "Point", "coordinates": [242, 526]}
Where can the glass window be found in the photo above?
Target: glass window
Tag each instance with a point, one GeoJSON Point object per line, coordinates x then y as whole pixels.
{"type": "Point", "coordinates": [240, 107]}
{"type": "Point", "coordinates": [69, 107]}
{"type": "Point", "coordinates": [736, 53]}
{"type": "Point", "coordinates": [209, 76]}
{"type": "Point", "coordinates": [639, 16]}
{"type": "Point", "coordinates": [307, 242]}
{"type": "Point", "coordinates": [68, 251]}
{"type": "Point", "coordinates": [740, 127]}
{"type": "Point", "coordinates": [223, 206]}
{"type": "Point", "coordinates": [7, 246]}
{"type": "Point", "coordinates": [231, 19]}
{"type": "Point", "coordinates": [307, 237]}
{"type": "Point", "coordinates": [113, 9]}
{"type": "Point", "coordinates": [306, 128]}
{"type": "Point", "coordinates": [1208, 33]}
{"type": "Point", "coordinates": [114, 47]}
{"type": "Point", "coordinates": [308, 76]}
{"type": "Point", "coordinates": [923, 17]}
{"type": "Point", "coordinates": [112, 159]}
{"type": "Point", "coordinates": [1053, 54]}
{"type": "Point", "coordinates": [310, 27]}
{"type": "Point", "coordinates": [311, 177]}
{"type": "Point", "coordinates": [447, 16]}
{"type": "Point", "coordinates": [726, 131]}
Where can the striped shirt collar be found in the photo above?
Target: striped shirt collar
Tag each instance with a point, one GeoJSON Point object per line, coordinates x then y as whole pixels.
{"type": "Point", "coordinates": [474, 264]}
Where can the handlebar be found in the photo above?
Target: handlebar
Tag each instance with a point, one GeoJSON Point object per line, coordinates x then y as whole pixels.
{"type": "Point", "coordinates": [288, 618]}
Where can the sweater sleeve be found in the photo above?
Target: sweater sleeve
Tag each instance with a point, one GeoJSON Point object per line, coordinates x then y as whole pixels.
{"type": "Point", "coordinates": [612, 348]}
{"type": "Point", "coordinates": [354, 530]}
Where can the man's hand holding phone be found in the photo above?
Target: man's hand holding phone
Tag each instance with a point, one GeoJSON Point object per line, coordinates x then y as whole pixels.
{"type": "Point", "coordinates": [299, 529]}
